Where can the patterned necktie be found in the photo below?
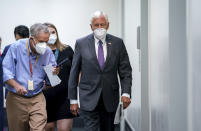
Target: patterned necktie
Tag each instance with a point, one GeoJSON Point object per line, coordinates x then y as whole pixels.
{"type": "Point", "coordinates": [100, 54]}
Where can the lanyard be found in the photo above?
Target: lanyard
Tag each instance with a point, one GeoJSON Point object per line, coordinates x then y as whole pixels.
{"type": "Point", "coordinates": [30, 66]}
{"type": "Point", "coordinates": [56, 54]}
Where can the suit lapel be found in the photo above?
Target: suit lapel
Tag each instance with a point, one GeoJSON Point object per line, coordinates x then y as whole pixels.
{"type": "Point", "coordinates": [109, 49]}
{"type": "Point", "coordinates": [92, 50]}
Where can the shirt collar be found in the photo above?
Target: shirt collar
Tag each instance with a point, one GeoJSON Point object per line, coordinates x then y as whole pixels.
{"type": "Point", "coordinates": [97, 40]}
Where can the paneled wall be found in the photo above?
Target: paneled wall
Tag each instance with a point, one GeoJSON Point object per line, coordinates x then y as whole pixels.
{"type": "Point", "coordinates": [194, 63]}
{"type": "Point", "coordinates": [158, 43]}
{"type": "Point", "coordinates": [131, 22]}
{"type": "Point", "coordinates": [170, 64]}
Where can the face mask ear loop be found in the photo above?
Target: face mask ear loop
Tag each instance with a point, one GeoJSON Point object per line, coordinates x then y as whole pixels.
{"type": "Point", "coordinates": [34, 41]}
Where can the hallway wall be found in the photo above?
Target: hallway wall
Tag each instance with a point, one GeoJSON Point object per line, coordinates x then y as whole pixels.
{"type": "Point", "coordinates": [72, 18]}
{"type": "Point", "coordinates": [131, 22]}
{"type": "Point", "coordinates": [194, 63]}
{"type": "Point", "coordinates": [167, 49]}
{"type": "Point", "coordinates": [158, 44]}
{"type": "Point", "coordinates": [166, 58]}
{"type": "Point", "coordinates": [170, 63]}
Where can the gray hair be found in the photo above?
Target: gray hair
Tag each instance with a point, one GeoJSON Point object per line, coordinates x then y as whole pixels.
{"type": "Point", "coordinates": [97, 14]}
{"type": "Point", "coordinates": [37, 28]}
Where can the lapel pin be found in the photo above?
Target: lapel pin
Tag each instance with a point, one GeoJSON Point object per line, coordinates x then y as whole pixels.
{"type": "Point", "coordinates": [109, 43]}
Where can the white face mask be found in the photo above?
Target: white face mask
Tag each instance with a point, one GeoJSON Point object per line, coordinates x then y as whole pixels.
{"type": "Point", "coordinates": [41, 48]}
{"type": "Point", "coordinates": [52, 39]}
{"type": "Point", "coordinates": [100, 33]}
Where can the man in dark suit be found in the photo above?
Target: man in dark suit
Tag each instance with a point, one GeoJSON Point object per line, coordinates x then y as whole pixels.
{"type": "Point", "coordinates": [100, 57]}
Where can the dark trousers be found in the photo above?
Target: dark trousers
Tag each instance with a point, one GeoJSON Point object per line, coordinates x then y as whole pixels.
{"type": "Point", "coordinates": [99, 118]}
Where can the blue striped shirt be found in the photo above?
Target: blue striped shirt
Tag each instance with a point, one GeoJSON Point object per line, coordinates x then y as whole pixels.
{"type": "Point", "coordinates": [16, 66]}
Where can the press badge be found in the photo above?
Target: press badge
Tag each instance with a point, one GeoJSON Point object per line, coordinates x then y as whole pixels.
{"type": "Point", "coordinates": [30, 85]}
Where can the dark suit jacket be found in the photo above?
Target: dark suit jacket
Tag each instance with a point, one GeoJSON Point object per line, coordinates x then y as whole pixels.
{"type": "Point", "coordinates": [94, 80]}
{"type": "Point", "coordinates": [2, 57]}
{"type": "Point", "coordinates": [5, 51]}
{"type": "Point", "coordinates": [1, 96]}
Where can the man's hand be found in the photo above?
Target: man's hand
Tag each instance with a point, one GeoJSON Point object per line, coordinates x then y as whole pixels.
{"type": "Point", "coordinates": [20, 90]}
{"type": "Point", "coordinates": [56, 70]}
{"type": "Point", "coordinates": [74, 109]}
{"type": "Point", "coordinates": [126, 101]}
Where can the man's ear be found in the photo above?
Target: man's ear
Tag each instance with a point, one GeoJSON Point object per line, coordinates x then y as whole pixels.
{"type": "Point", "coordinates": [31, 37]}
{"type": "Point", "coordinates": [32, 40]}
{"type": "Point", "coordinates": [108, 26]}
{"type": "Point", "coordinates": [91, 27]}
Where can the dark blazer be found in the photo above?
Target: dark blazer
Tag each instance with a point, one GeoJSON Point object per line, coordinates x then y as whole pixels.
{"type": "Point", "coordinates": [1, 96]}
{"type": "Point", "coordinates": [59, 93]}
{"type": "Point", "coordinates": [5, 51]}
{"type": "Point", "coordinates": [95, 81]}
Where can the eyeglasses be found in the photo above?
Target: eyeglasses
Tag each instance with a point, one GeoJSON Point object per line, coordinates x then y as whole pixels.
{"type": "Point", "coordinates": [99, 25]}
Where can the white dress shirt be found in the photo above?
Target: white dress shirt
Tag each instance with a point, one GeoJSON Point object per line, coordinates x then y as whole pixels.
{"type": "Point", "coordinates": [104, 48]}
